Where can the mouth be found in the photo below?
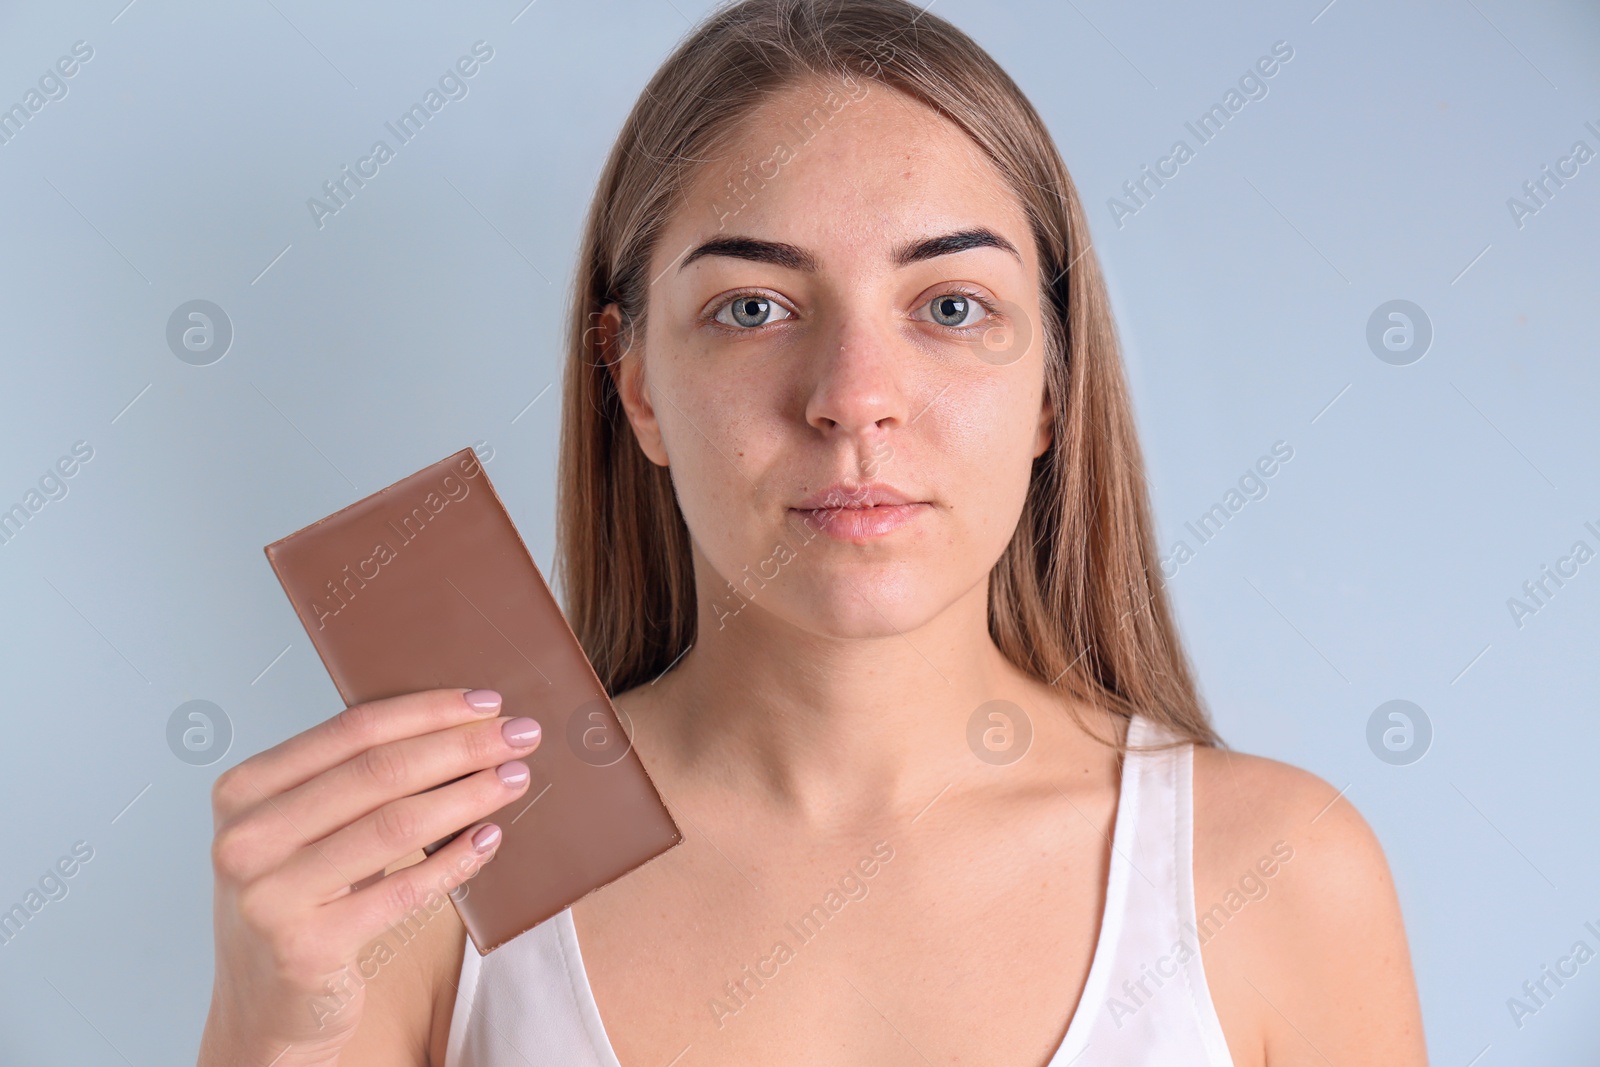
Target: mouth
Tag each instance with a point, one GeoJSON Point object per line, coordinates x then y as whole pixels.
{"type": "Point", "coordinates": [859, 513]}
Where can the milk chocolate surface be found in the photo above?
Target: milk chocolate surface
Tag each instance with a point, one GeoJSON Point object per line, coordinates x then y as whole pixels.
{"type": "Point", "coordinates": [427, 584]}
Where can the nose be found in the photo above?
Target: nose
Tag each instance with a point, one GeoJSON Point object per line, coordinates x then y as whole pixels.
{"type": "Point", "coordinates": [860, 382]}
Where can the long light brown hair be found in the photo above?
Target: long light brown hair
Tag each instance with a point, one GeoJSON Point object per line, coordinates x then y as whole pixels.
{"type": "Point", "coordinates": [1075, 600]}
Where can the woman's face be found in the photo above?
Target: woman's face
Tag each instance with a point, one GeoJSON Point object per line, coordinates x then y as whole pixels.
{"type": "Point", "coordinates": [817, 327]}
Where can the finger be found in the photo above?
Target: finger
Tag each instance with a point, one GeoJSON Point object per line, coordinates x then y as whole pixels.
{"type": "Point", "coordinates": [413, 895]}
{"type": "Point", "coordinates": [331, 742]}
{"type": "Point", "coordinates": [328, 868]}
{"type": "Point", "coordinates": [372, 778]}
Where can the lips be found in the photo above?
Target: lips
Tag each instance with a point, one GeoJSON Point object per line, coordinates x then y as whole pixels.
{"type": "Point", "coordinates": [858, 513]}
{"type": "Point", "coordinates": [869, 495]}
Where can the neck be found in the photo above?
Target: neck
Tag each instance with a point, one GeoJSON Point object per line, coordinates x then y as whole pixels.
{"type": "Point", "coordinates": [828, 730]}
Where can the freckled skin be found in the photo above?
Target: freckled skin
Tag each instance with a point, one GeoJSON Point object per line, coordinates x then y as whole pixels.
{"type": "Point", "coordinates": [751, 423]}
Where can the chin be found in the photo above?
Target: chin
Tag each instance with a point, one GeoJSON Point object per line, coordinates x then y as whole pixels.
{"type": "Point", "coordinates": [860, 602]}
{"type": "Point", "coordinates": [872, 595]}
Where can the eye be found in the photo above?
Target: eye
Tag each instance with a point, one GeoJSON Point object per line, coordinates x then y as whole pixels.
{"type": "Point", "coordinates": [749, 310]}
{"type": "Point", "coordinates": [957, 309]}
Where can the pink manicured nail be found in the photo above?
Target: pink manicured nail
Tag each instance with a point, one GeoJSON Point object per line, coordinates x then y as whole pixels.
{"type": "Point", "coordinates": [521, 731]}
{"type": "Point", "coordinates": [512, 772]}
{"type": "Point", "coordinates": [485, 838]}
{"type": "Point", "coordinates": [482, 699]}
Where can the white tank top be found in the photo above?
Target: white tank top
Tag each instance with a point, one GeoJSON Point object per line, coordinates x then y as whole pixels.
{"type": "Point", "coordinates": [1145, 1004]}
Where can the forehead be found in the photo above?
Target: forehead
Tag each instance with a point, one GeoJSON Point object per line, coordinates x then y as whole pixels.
{"type": "Point", "coordinates": [847, 170]}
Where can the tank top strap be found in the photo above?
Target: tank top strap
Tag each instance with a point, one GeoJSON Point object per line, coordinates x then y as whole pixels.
{"type": "Point", "coordinates": [528, 1001]}
{"type": "Point", "coordinates": [1156, 999]}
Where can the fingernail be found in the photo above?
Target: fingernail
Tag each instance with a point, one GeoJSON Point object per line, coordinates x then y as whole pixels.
{"type": "Point", "coordinates": [512, 772]}
{"type": "Point", "coordinates": [485, 838]}
{"type": "Point", "coordinates": [483, 700]}
{"type": "Point", "coordinates": [521, 731]}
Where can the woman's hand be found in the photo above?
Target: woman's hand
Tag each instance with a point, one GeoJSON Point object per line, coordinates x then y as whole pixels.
{"type": "Point", "coordinates": [304, 831]}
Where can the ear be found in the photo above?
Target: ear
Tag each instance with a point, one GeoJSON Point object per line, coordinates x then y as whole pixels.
{"type": "Point", "coordinates": [1045, 433]}
{"type": "Point", "coordinates": [626, 367]}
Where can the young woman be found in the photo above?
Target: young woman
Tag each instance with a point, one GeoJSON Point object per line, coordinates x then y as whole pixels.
{"type": "Point", "coordinates": [853, 526]}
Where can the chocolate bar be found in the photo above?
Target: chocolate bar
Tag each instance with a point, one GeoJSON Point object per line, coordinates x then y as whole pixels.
{"type": "Point", "coordinates": [427, 584]}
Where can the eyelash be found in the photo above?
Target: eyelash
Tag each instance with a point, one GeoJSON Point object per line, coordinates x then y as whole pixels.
{"type": "Point", "coordinates": [989, 308]}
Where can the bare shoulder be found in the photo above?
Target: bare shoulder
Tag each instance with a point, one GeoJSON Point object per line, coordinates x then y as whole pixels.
{"type": "Point", "coordinates": [409, 977]}
{"type": "Point", "coordinates": [1298, 918]}
{"type": "Point", "coordinates": [1240, 801]}
{"type": "Point", "coordinates": [1259, 820]}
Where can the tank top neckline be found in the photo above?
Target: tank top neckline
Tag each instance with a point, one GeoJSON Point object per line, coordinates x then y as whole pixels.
{"type": "Point", "coordinates": [1075, 1040]}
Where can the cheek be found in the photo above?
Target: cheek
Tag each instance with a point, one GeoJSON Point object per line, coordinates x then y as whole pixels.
{"type": "Point", "coordinates": [722, 439]}
{"type": "Point", "coordinates": [987, 438]}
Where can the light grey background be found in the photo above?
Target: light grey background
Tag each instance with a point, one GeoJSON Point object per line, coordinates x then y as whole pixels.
{"type": "Point", "coordinates": [426, 316]}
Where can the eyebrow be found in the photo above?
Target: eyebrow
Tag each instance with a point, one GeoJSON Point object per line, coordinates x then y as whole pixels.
{"type": "Point", "coordinates": [794, 258]}
{"type": "Point", "coordinates": [949, 243]}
